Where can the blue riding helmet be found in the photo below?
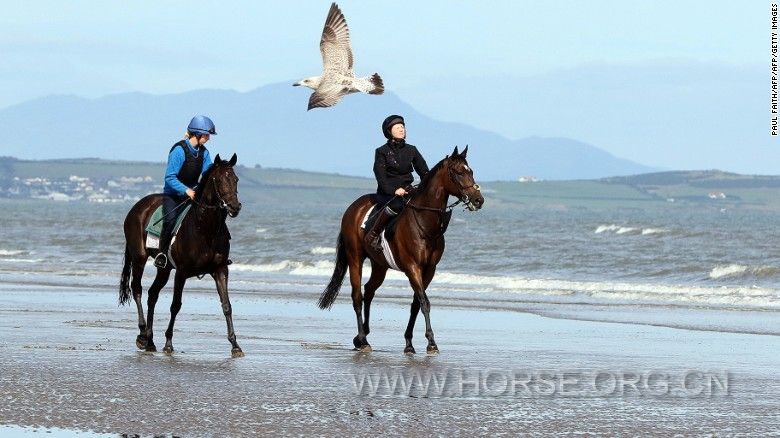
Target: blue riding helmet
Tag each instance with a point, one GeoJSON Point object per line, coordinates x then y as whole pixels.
{"type": "Point", "coordinates": [201, 125]}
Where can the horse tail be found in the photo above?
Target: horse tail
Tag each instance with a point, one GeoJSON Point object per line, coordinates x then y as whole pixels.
{"type": "Point", "coordinates": [124, 282]}
{"type": "Point", "coordinates": [332, 290]}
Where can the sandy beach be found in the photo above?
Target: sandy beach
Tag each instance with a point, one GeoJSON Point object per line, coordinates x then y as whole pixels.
{"type": "Point", "coordinates": [69, 361]}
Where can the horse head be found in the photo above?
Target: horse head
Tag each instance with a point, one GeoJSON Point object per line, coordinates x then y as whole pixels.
{"type": "Point", "coordinates": [221, 185]}
{"type": "Point", "coordinates": [461, 182]}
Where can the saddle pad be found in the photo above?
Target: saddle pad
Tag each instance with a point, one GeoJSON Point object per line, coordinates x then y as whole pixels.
{"type": "Point", "coordinates": [155, 223]}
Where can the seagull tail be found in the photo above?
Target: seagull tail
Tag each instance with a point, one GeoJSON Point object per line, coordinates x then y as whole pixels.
{"type": "Point", "coordinates": [378, 87]}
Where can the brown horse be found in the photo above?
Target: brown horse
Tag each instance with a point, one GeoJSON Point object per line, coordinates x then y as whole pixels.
{"type": "Point", "coordinates": [201, 247]}
{"type": "Point", "coordinates": [417, 246]}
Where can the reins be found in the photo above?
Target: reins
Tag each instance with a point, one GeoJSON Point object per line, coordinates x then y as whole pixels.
{"type": "Point", "coordinates": [222, 204]}
{"type": "Point", "coordinates": [441, 211]}
{"type": "Point", "coordinates": [464, 198]}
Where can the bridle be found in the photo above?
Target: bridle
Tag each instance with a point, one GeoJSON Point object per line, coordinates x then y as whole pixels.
{"type": "Point", "coordinates": [463, 198]}
{"type": "Point", "coordinates": [462, 189]}
{"type": "Point", "coordinates": [221, 205]}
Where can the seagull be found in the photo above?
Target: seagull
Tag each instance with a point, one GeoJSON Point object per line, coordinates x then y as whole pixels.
{"type": "Point", "coordinates": [337, 79]}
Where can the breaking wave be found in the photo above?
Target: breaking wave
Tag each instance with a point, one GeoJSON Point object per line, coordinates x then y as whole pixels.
{"type": "Point", "coordinates": [741, 271]}
{"type": "Point", "coordinates": [621, 229]}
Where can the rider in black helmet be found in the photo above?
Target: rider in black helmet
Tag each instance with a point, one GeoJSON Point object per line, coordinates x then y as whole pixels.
{"type": "Point", "coordinates": [393, 165]}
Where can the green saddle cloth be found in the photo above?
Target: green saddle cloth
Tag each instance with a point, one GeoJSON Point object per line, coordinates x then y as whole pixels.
{"type": "Point", "coordinates": [156, 223]}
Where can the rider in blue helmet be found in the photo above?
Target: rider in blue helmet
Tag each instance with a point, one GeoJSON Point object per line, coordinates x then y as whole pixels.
{"type": "Point", "coordinates": [188, 159]}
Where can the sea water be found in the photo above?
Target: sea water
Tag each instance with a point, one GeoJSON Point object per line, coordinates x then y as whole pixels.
{"type": "Point", "coordinates": [685, 266]}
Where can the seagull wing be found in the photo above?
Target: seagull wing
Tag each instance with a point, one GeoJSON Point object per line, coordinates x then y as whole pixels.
{"type": "Point", "coordinates": [326, 96]}
{"type": "Point", "coordinates": [334, 44]}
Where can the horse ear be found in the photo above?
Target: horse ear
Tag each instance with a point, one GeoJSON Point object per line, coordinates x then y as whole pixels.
{"type": "Point", "coordinates": [465, 150]}
{"type": "Point", "coordinates": [217, 159]}
{"type": "Point", "coordinates": [233, 160]}
{"type": "Point", "coordinates": [455, 152]}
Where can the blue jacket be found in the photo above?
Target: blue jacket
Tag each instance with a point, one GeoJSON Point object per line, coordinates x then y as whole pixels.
{"type": "Point", "coordinates": [175, 161]}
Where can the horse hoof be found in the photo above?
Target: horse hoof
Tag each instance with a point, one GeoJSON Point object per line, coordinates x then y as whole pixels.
{"type": "Point", "coordinates": [168, 350]}
{"type": "Point", "coordinates": [357, 343]}
{"type": "Point", "coordinates": [140, 342]}
{"type": "Point", "coordinates": [365, 348]}
{"type": "Point", "coordinates": [432, 349]}
{"type": "Point", "coordinates": [151, 348]}
{"type": "Point", "coordinates": [409, 350]}
{"type": "Point", "coordinates": [236, 352]}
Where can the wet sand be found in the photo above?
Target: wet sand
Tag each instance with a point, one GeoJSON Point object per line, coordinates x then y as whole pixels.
{"type": "Point", "coordinates": [68, 360]}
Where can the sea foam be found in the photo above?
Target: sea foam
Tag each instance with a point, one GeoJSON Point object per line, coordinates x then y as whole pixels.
{"type": "Point", "coordinates": [323, 250]}
{"type": "Point", "coordinates": [594, 292]}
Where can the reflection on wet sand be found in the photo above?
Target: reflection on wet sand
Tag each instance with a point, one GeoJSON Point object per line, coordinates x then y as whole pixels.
{"type": "Point", "coordinates": [74, 366]}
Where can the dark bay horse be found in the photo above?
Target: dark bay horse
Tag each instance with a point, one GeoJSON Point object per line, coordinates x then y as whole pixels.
{"type": "Point", "coordinates": [417, 246]}
{"type": "Point", "coordinates": [201, 247]}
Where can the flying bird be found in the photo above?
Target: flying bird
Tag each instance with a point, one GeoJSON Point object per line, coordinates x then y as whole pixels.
{"type": "Point", "coordinates": [337, 79]}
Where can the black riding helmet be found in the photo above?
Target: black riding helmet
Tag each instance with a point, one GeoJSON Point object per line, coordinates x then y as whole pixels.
{"type": "Point", "coordinates": [391, 120]}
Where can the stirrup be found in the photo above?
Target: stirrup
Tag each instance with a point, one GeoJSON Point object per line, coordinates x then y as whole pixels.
{"type": "Point", "coordinates": [161, 261]}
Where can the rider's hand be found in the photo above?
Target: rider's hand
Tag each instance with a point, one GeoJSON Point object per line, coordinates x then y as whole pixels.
{"type": "Point", "coordinates": [400, 191]}
{"type": "Point", "coordinates": [191, 194]}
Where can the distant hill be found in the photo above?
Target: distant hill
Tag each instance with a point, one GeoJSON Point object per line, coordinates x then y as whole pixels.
{"type": "Point", "coordinates": [288, 187]}
{"type": "Point", "coordinates": [270, 126]}
{"type": "Point", "coordinates": [706, 186]}
{"type": "Point", "coordinates": [698, 178]}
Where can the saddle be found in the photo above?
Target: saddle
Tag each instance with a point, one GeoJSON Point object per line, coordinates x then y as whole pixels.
{"type": "Point", "coordinates": [371, 218]}
{"type": "Point", "coordinates": [384, 237]}
{"type": "Point", "coordinates": [390, 228]}
{"type": "Point", "coordinates": [154, 227]}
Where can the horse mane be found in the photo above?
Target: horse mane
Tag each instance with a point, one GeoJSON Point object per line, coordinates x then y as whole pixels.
{"type": "Point", "coordinates": [426, 180]}
{"type": "Point", "coordinates": [203, 181]}
{"type": "Point", "coordinates": [429, 176]}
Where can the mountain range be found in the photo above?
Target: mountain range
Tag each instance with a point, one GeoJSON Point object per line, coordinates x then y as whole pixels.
{"type": "Point", "coordinates": [270, 127]}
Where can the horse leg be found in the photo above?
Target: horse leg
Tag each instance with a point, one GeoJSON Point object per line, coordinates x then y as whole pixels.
{"type": "Point", "coordinates": [178, 288]}
{"type": "Point", "coordinates": [413, 311]}
{"type": "Point", "coordinates": [419, 282]}
{"type": "Point", "coordinates": [135, 285]}
{"type": "Point", "coordinates": [221, 278]}
{"type": "Point", "coordinates": [154, 292]}
{"type": "Point", "coordinates": [355, 274]}
{"type": "Point", "coordinates": [377, 277]}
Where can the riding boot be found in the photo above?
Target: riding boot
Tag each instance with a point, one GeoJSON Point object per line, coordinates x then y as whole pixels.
{"type": "Point", "coordinates": [161, 260]}
{"type": "Point", "coordinates": [169, 221]}
{"type": "Point", "coordinates": [371, 238]}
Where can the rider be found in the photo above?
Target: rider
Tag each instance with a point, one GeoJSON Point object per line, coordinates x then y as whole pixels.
{"type": "Point", "coordinates": [187, 160]}
{"type": "Point", "coordinates": [393, 163]}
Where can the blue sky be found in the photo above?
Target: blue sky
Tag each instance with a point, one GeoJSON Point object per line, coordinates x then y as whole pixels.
{"type": "Point", "coordinates": [656, 82]}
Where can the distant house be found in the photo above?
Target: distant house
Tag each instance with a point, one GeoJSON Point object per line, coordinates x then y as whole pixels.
{"type": "Point", "coordinates": [524, 179]}
{"type": "Point", "coordinates": [716, 195]}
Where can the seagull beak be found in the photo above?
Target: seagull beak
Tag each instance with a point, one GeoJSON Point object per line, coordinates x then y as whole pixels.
{"type": "Point", "coordinates": [296, 84]}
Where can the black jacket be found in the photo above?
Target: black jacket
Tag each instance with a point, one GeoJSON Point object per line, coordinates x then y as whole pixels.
{"type": "Point", "coordinates": [393, 163]}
